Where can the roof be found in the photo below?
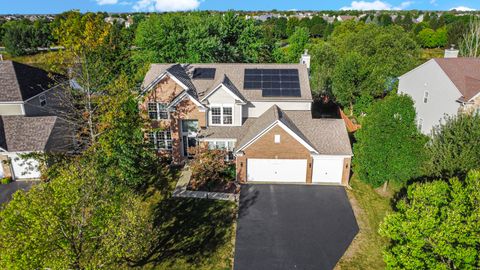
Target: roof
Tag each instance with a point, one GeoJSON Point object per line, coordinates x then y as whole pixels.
{"type": "Point", "coordinates": [19, 82]}
{"type": "Point", "coordinates": [464, 73]}
{"type": "Point", "coordinates": [326, 136]}
{"type": "Point", "coordinates": [234, 72]}
{"type": "Point", "coordinates": [28, 134]}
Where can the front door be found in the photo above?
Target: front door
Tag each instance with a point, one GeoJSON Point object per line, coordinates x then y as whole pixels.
{"type": "Point", "coordinates": [189, 137]}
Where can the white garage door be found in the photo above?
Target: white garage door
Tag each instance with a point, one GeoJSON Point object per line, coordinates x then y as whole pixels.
{"type": "Point", "coordinates": [327, 170]}
{"type": "Point", "coordinates": [25, 168]}
{"type": "Point", "coordinates": [277, 170]}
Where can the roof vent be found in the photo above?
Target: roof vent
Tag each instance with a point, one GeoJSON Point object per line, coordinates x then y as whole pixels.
{"type": "Point", "coordinates": [305, 59]}
{"type": "Point", "coordinates": [451, 53]}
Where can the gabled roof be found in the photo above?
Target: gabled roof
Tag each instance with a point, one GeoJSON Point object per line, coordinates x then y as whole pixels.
{"type": "Point", "coordinates": [226, 82]}
{"type": "Point", "coordinates": [464, 73]}
{"type": "Point", "coordinates": [235, 73]}
{"type": "Point", "coordinates": [269, 119]}
{"type": "Point", "coordinates": [19, 82]}
{"type": "Point", "coordinates": [26, 134]}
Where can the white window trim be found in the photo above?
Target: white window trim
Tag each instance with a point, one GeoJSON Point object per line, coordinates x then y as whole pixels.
{"type": "Point", "coordinates": [221, 106]}
{"type": "Point", "coordinates": [158, 110]}
{"type": "Point", "coordinates": [164, 141]}
{"type": "Point", "coordinates": [216, 141]}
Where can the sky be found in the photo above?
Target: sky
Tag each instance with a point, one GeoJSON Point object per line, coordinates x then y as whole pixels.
{"type": "Point", "coordinates": [58, 6]}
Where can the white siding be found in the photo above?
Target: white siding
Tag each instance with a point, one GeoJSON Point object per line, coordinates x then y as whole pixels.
{"type": "Point", "coordinates": [11, 109]}
{"type": "Point", "coordinates": [442, 94]}
{"type": "Point", "coordinates": [257, 108]}
{"type": "Point", "coordinates": [222, 97]}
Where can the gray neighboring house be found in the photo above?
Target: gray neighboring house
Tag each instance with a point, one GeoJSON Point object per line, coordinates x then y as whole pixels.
{"type": "Point", "coordinates": [29, 100]}
{"type": "Point", "coordinates": [442, 87]}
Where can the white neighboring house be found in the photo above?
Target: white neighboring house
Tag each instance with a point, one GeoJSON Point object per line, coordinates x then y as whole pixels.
{"type": "Point", "coordinates": [29, 98]}
{"type": "Point", "coordinates": [442, 87]}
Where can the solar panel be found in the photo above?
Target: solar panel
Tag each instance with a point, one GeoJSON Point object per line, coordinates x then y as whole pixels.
{"type": "Point", "coordinates": [204, 73]}
{"type": "Point", "coordinates": [273, 82]}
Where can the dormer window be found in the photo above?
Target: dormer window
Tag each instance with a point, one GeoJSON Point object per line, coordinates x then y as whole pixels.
{"type": "Point", "coordinates": [157, 111]}
{"type": "Point", "coordinates": [425, 97]}
{"type": "Point", "coordinates": [221, 115]}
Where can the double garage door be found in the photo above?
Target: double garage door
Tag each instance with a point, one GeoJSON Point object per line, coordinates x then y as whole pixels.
{"type": "Point", "coordinates": [325, 170]}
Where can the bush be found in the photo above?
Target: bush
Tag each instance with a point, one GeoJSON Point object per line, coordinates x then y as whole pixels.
{"type": "Point", "coordinates": [6, 180]}
{"type": "Point", "coordinates": [210, 171]}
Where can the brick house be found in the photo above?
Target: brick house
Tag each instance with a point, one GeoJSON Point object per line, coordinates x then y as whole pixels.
{"type": "Point", "coordinates": [259, 113]}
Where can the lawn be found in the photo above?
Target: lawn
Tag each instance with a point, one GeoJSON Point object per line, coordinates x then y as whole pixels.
{"type": "Point", "coordinates": [45, 60]}
{"type": "Point", "coordinates": [370, 208]}
{"type": "Point", "coordinates": [195, 234]}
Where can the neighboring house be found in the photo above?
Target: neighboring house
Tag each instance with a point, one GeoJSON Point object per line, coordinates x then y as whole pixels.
{"type": "Point", "coordinates": [259, 113]}
{"type": "Point", "coordinates": [29, 99]}
{"type": "Point", "coordinates": [442, 87]}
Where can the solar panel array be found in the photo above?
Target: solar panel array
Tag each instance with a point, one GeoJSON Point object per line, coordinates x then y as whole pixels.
{"type": "Point", "coordinates": [204, 73]}
{"type": "Point", "coordinates": [273, 82]}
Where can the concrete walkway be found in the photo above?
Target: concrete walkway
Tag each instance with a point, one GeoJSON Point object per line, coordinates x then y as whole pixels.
{"type": "Point", "coordinates": [182, 192]}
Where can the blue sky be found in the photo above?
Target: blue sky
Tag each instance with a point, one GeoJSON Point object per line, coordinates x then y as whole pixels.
{"type": "Point", "coordinates": [57, 6]}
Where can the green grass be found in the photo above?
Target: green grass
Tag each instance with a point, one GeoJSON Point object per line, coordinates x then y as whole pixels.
{"type": "Point", "coordinates": [45, 60]}
{"type": "Point", "coordinates": [370, 208]}
{"type": "Point", "coordinates": [428, 54]}
{"type": "Point", "coordinates": [195, 233]}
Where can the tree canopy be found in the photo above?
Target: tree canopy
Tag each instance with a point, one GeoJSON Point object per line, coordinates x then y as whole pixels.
{"type": "Point", "coordinates": [435, 226]}
{"type": "Point", "coordinates": [389, 147]}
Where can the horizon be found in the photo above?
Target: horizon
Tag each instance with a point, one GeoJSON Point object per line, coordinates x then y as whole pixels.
{"type": "Point", "coordinates": [33, 7]}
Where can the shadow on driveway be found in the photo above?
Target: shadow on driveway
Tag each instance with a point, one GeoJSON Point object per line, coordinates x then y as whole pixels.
{"type": "Point", "coordinates": [293, 227]}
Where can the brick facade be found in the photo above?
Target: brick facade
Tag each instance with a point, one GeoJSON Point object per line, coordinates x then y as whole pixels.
{"type": "Point", "coordinates": [266, 148]}
{"type": "Point", "coordinates": [164, 92]}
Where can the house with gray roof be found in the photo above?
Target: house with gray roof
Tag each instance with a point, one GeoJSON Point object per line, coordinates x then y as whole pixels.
{"type": "Point", "coordinates": [29, 99]}
{"type": "Point", "coordinates": [443, 87]}
{"type": "Point", "coordinates": [259, 113]}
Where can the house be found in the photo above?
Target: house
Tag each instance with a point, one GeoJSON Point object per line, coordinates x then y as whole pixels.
{"type": "Point", "coordinates": [443, 87]}
{"type": "Point", "coordinates": [259, 113]}
{"type": "Point", "coordinates": [29, 99]}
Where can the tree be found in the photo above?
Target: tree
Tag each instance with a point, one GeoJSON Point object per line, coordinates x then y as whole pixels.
{"type": "Point", "coordinates": [429, 38]}
{"type": "Point", "coordinates": [454, 148]}
{"type": "Point", "coordinates": [470, 44]}
{"type": "Point", "coordinates": [78, 220]}
{"type": "Point", "coordinates": [348, 79]}
{"type": "Point", "coordinates": [389, 147]}
{"type": "Point", "coordinates": [435, 226]}
{"type": "Point", "coordinates": [321, 72]}
{"type": "Point", "coordinates": [209, 170]}
{"type": "Point", "coordinates": [297, 43]}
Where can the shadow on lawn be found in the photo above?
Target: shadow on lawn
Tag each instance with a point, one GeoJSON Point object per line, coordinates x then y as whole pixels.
{"type": "Point", "coordinates": [191, 229]}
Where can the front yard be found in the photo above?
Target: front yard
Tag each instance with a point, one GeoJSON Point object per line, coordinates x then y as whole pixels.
{"type": "Point", "coordinates": [195, 233]}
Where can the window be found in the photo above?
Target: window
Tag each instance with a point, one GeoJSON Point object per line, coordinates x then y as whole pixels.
{"type": "Point", "coordinates": [277, 138]}
{"type": "Point", "coordinates": [221, 115]}
{"type": "Point", "coordinates": [420, 123]}
{"type": "Point", "coordinates": [157, 111]}
{"type": "Point", "coordinates": [43, 100]}
{"type": "Point", "coordinates": [425, 97]}
{"type": "Point", "coordinates": [223, 145]}
{"type": "Point", "coordinates": [161, 140]}
{"type": "Point", "coordinates": [216, 116]}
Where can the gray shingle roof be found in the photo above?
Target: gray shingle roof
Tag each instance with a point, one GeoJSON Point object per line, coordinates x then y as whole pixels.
{"type": "Point", "coordinates": [19, 82]}
{"type": "Point", "coordinates": [24, 134]}
{"type": "Point", "coordinates": [464, 73]}
{"type": "Point", "coordinates": [327, 136]}
{"type": "Point", "coordinates": [235, 73]}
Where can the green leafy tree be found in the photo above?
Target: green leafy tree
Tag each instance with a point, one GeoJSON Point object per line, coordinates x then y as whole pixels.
{"type": "Point", "coordinates": [321, 72]}
{"type": "Point", "coordinates": [436, 226]}
{"type": "Point", "coordinates": [78, 220]}
{"type": "Point", "coordinates": [454, 147]}
{"type": "Point", "coordinates": [389, 147]}
{"type": "Point", "coordinates": [296, 46]}
{"type": "Point", "coordinates": [426, 38]}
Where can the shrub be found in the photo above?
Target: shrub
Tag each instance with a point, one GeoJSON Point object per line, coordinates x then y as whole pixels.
{"type": "Point", "coordinates": [6, 180]}
{"type": "Point", "coordinates": [210, 170]}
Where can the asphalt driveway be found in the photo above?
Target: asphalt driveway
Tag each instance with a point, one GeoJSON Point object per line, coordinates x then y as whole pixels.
{"type": "Point", "coordinates": [293, 227]}
{"type": "Point", "coordinates": [6, 191]}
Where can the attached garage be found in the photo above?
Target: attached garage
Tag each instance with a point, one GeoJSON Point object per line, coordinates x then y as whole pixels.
{"type": "Point", "coordinates": [277, 170]}
{"type": "Point", "coordinates": [327, 169]}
